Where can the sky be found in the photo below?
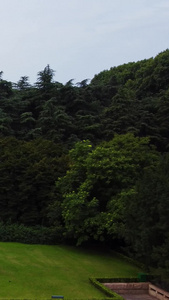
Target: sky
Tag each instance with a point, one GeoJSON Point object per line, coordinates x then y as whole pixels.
{"type": "Point", "coordinates": [79, 38]}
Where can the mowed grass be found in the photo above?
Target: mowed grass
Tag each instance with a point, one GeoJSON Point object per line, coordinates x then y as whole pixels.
{"type": "Point", "coordinates": [40, 271]}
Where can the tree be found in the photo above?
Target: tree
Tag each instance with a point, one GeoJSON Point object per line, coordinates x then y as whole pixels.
{"type": "Point", "coordinates": [23, 83]}
{"type": "Point", "coordinates": [54, 121]}
{"type": "Point", "coordinates": [146, 216]}
{"type": "Point", "coordinates": [5, 89]}
{"type": "Point", "coordinates": [5, 123]}
{"type": "Point", "coordinates": [45, 79]}
{"type": "Point", "coordinates": [95, 181]}
{"type": "Point", "coordinates": [28, 171]}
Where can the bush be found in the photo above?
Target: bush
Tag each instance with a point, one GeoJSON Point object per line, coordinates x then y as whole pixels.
{"type": "Point", "coordinates": [30, 235]}
{"type": "Point", "coordinates": [149, 277]}
{"type": "Point", "coordinates": [96, 282]}
{"type": "Point", "coordinates": [120, 279]}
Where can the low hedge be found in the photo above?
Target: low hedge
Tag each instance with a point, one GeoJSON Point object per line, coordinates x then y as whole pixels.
{"type": "Point", "coordinates": [110, 294]}
{"type": "Point", "coordinates": [149, 278]}
{"type": "Point", "coordinates": [30, 235]}
{"type": "Point", "coordinates": [98, 283]}
{"type": "Point", "coordinates": [120, 279]}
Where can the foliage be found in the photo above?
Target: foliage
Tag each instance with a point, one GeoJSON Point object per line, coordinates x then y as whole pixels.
{"type": "Point", "coordinates": [30, 235]}
{"type": "Point", "coordinates": [95, 183]}
{"type": "Point", "coordinates": [128, 98]}
{"type": "Point", "coordinates": [115, 189]}
{"type": "Point", "coordinates": [147, 216]}
{"type": "Point", "coordinates": [105, 290]}
{"type": "Point", "coordinates": [28, 171]}
{"type": "Point", "coordinates": [23, 83]}
{"type": "Point", "coordinates": [45, 78]}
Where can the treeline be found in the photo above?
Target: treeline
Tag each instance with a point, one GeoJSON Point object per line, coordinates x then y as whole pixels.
{"type": "Point", "coordinates": [129, 98]}
{"type": "Point", "coordinates": [90, 160]}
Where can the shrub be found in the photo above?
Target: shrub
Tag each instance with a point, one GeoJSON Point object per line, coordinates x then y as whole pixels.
{"type": "Point", "coordinates": [30, 235]}
{"type": "Point", "coordinates": [104, 289]}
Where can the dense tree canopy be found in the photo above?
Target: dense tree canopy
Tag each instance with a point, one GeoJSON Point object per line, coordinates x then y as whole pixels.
{"type": "Point", "coordinates": [28, 171]}
{"type": "Point", "coordinates": [90, 159]}
{"type": "Point", "coordinates": [95, 182]}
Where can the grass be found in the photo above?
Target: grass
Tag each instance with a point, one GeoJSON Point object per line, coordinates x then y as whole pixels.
{"type": "Point", "coordinates": [40, 271]}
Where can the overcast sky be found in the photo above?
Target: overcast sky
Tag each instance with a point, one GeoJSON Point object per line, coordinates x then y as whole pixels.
{"type": "Point", "coordinates": [79, 38]}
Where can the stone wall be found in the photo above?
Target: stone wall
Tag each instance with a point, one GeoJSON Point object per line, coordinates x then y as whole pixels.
{"type": "Point", "coordinates": [138, 288]}
{"type": "Point", "coordinates": [158, 293]}
{"type": "Point", "coordinates": [129, 287]}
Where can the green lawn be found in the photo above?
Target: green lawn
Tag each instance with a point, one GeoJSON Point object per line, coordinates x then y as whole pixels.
{"type": "Point", "coordinates": [40, 271]}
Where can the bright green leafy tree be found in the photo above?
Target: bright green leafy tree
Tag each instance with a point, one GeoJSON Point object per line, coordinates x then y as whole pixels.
{"type": "Point", "coordinates": [95, 181]}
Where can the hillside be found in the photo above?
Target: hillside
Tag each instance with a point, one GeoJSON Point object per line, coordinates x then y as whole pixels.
{"type": "Point", "coordinates": [88, 162]}
{"type": "Point", "coordinates": [38, 272]}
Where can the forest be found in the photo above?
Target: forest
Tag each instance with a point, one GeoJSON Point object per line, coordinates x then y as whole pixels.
{"type": "Point", "coordinates": [88, 162]}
